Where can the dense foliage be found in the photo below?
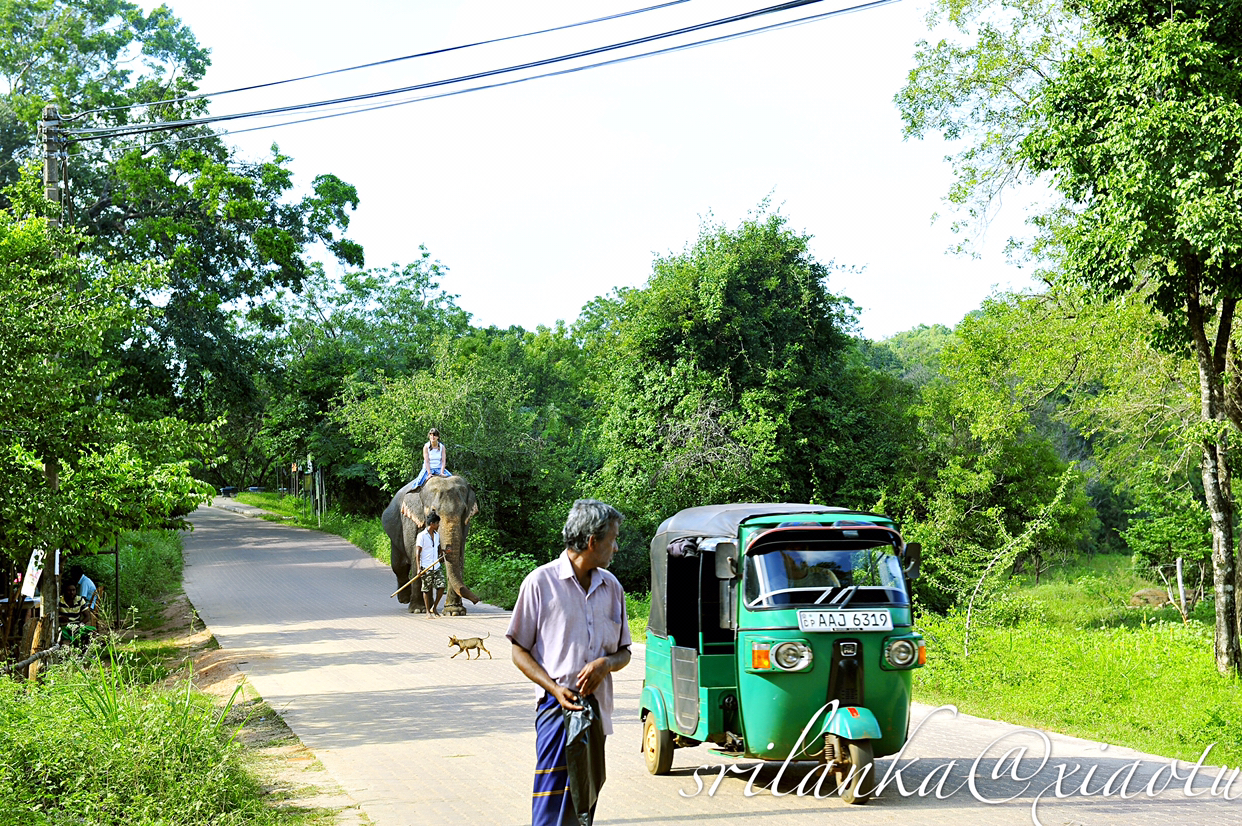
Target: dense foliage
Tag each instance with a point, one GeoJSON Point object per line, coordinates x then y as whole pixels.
{"type": "Point", "coordinates": [183, 329]}
{"type": "Point", "coordinates": [1130, 110]}
{"type": "Point", "coordinates": [75, 466]}
{"type": "Point", "coordinates": [731, 380]}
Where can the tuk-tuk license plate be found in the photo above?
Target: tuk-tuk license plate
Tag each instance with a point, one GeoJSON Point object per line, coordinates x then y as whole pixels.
{"type": "Point", "coordinates": [877, 620]}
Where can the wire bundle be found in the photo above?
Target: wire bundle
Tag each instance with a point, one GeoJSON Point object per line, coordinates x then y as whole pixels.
{"type": "Point", "coordinates": [367, 101]}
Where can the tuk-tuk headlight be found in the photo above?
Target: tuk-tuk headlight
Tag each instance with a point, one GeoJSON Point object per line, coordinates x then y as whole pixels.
{"type": "Point", "coordinates": [901, 653]}
{"type": "Point", "coordinates": [792, 656]}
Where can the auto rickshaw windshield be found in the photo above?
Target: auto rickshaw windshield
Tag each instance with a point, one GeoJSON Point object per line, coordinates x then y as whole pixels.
{"type": "Point", "coordinates": [779, 576]}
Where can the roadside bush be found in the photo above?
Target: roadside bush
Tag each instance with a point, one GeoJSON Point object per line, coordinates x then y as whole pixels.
{"type": "Point", "coordinates": [98, 746]}
{"type": "Point", "coordinates": [367, 534]}
{"type": "Point", "coordinates": [151, 567]}
{"type": "Point", "coordinates": [495, 575]}
{"type": "Point", "coordinates": [638, 606]}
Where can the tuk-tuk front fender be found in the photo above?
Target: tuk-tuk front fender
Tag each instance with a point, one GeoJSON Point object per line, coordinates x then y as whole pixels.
{"type": "Point", "coordinates": [854, 723]}
{"type": "Point", "coordinates": [653, 701]}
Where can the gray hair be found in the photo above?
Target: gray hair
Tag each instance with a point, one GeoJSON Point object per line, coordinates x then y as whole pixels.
{"type": "Point", "coordinates": [587, 518]}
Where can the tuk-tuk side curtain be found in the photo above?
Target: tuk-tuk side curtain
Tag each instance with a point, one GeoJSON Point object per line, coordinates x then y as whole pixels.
{"type": "Point", "coordinates": [659, 586]}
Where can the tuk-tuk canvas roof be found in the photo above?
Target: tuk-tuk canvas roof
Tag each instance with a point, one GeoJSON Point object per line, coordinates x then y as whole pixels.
{"type": "Point", "coordinates": [707, 521]}
{"type": "Point", "coordinates": [723, 520]}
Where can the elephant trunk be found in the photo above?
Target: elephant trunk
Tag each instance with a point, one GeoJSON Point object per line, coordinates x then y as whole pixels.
{"type": "Point", "coordinates": [453, 544]}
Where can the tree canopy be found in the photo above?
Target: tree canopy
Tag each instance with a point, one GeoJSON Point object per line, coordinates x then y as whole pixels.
{"type": "Point", "coordinates": [203, 318]}
{"type": "Point", "coordinates": [731, 381]}
{"type": "Point", "coordinates": [74, 467]}
{"type": "Point", "coordinates": [1130, 110]}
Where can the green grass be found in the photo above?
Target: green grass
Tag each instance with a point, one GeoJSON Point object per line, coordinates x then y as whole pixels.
{"type": "Point", "coordinates": [638, 607]}
{"type": "Point", "coordinates": [1072, 656]}
{"type": "Point", "coordinates": [151, 566]}
{"type": "Point", "coordinates": [104, 746]}
{"type": "Point", "coordinates": [103, 738]}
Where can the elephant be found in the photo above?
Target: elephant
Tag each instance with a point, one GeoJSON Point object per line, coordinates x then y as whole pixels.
{"type": "Point", "coordinates": [452, 498]}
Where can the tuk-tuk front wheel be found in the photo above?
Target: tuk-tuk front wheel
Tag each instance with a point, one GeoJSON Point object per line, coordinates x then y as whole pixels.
{"type": "Point", "coordinates": [855, 779]}
{"type": "Point", "coordinates": [657, 746]}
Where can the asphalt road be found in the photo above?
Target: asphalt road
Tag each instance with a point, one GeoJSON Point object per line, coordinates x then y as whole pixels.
{"type": "Point", "coordinates": [416, 736]}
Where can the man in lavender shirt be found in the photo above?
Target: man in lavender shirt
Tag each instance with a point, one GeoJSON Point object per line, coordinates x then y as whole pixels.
{"type": "Point", "coordinates": [570, 632]}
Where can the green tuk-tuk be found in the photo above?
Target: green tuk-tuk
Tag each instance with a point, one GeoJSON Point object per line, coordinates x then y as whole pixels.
{"type": "Point", "coordinates": [762, 615]}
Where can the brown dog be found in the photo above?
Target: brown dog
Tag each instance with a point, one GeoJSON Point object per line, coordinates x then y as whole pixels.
{"type": "Point", "coordinates": [469, 644]}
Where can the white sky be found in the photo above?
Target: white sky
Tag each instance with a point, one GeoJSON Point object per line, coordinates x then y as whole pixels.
{"type": "Point", "coordinates": [541, 196]}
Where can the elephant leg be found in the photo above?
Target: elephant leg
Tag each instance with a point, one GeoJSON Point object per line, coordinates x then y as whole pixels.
{"type": "Point", "coordinates": [401, 567]}
{"type": "Point", "coordinates": [406, 594]}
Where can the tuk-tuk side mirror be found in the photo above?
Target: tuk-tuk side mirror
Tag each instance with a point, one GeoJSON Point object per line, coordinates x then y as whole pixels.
{"type": "Point", "coordinates": [726, 560]}
{"type": "Point", "coordinates": [912, 558]}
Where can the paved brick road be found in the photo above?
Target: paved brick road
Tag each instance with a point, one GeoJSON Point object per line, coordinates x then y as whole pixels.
{"type": "Point", "coordinates": [418, 738]}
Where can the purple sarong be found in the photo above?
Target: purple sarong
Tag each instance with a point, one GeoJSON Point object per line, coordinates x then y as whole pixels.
{"type": "Point", "coordinates": [550, 804]}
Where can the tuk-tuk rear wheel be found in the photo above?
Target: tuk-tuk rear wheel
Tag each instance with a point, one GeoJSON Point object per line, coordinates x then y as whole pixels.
{"type": "Point", "coordinates": [856, 780]}
{"type": "Point", "coordinates": [657, 746]}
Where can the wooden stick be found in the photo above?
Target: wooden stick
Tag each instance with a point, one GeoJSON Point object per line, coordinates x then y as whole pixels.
{"type": "Point", "coordinates": [416, 576]}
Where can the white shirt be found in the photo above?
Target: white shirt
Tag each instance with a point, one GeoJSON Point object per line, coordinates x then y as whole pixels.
{"type": "Point", "coordinates": [428, 549]}
{"type": "Point", "coordinates": [565, 626]}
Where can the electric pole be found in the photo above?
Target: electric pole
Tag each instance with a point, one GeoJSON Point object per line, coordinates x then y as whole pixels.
{"type": "Point", "coordinates": [47, 633]}
{"type": "Point", "coordinates": [53, 154]}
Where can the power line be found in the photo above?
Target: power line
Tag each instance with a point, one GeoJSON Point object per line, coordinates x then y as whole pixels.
{"type": "Point", "coordinates": [96, 134]}
{"type": "Point", "coordinates": [668, 50]}
{"type": "Point", "coordinates": [385, 62]}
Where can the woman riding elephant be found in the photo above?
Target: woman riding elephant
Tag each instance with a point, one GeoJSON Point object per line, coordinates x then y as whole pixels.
{"type": "Point", "coordinates": [452, 499]}
{"type": "Point", "coordinates": [435, 459]}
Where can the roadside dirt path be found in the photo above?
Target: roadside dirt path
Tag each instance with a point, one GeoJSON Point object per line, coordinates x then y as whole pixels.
{"type": "Point", "coordinates": [417, 737]}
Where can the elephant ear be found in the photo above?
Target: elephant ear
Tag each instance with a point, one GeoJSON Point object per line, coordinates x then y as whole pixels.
{"type": "Point", "coordinates": [429, 506]}
{"type": "Point", "coordinates": [473, 507]}
{"type": "Point", "coordinates": [411, 511]}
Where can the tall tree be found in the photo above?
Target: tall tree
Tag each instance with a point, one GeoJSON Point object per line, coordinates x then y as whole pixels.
{"type": "Point", "coordinates": [1142, 131]}
{"type": "Point", "coordinates": [730, 379]}
{"type": "Point", "coordinates": [1136, 123]}
{"type": "Point", "coordinates": [56, 313]}
{"type": "Point", "coordinates": [226, 226]}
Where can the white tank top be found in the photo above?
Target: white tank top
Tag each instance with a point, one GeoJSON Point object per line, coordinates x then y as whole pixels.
{"type": "Point", "coordinates": [435, 457]}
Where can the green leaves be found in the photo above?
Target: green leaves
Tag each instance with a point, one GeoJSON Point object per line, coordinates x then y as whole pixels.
{"type": "Point", "coordinates": [57, 312]}
{"type": "Point", "coordinates": [1144, 129]}
{"type": "Point", "coordinates": [480, 409]}
{"type": "Point", "coordinates": [981, 86]}
{"type": "Point", "coordinates": [79, 53]}
{"type": "Point", "coordinates": [731, 380]}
